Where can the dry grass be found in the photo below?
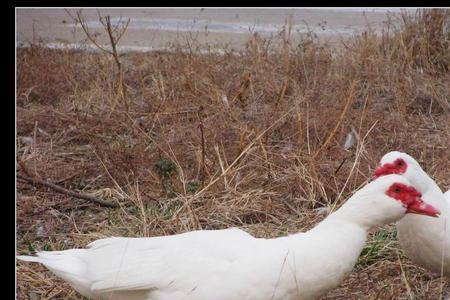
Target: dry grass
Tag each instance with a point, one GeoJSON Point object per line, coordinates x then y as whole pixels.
{"type": "Point", "coordinates": [252, 139]}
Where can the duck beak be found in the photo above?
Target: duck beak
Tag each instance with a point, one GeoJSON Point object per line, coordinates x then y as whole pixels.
{"type": "Point", "coordinates": [421, 208]}
{"type": "Point", "coordinates": [385, 169]}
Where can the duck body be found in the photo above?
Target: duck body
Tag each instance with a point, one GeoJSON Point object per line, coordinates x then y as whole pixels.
{"type": "Point", "coordinates": [216, 264]}
{"type": "Point", "coordinates": [426, 241]}
{"type": "Point", "coordinates": [230, 263]}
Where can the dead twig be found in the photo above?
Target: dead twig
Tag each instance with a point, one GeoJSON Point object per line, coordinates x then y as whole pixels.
{"type": "Point", "coordinates": [200, 125]}
{"type": "Point", "coordinates": [114, 34]}
{"type": "Point", "coordinates": [242, 153]}
{"type": "Point", "coordinates": [60, 189]}
{"type": "Point", "coordinates": [341, 117]}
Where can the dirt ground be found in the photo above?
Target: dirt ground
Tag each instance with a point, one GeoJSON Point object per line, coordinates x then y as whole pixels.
{"type": "Point", "coordinates": [252, 138]}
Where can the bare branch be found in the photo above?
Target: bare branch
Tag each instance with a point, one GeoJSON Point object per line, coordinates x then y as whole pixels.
{"type": "Point", "coordinates": [114, 35]}
{"type": "Point", "coordinates": [124, 29]}
{"type": "Point", "coordinates": [85, 28]}
{"type": "Point", "coordinates": [60, 189]}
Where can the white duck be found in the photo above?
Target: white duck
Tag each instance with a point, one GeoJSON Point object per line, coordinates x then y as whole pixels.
{"type": "Point", "coordinates": [232, 264]}
{"type": "Point", "coordinates": [426, 241]}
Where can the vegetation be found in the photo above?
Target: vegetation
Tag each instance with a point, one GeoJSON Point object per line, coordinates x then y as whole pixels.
{"type": "Point", "coordinates": [251, 138]}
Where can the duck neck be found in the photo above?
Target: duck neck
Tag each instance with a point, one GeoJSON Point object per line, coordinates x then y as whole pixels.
{"type": "Point", "coordinates": [349, 213]}
{"type": "Point", "coordinates": [360, 210]}
{"type": "Point", "coordinates": [424, 182]}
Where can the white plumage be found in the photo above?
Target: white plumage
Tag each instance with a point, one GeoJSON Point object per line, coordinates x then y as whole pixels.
{"type": "Point", "coordinates": [232, 264]}
{"type": "Point", "coordinates": [425, 240]}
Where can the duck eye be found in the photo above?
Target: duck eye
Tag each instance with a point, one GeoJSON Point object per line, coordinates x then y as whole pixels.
{"type": "Point", "coordinates": [396, 190]}
{"type": "Point", "coordinates": [400, 163]}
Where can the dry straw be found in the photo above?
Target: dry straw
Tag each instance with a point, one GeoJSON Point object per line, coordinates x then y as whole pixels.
{"type": "Point", "coordinates": [265, 152]}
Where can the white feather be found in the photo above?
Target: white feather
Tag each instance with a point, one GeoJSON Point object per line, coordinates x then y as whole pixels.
{"type": "Point", "coordinates": [425, 240]}
{"type": "Point", "coordinates": [229, 264]}
{"type": "Point", "coordinates": [349, 141]}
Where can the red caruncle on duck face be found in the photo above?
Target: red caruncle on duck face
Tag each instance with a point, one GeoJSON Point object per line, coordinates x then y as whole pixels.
{"type": "Point", "coordinates": [411, 199]}
{"type": "Point", "coordinates": [399, 166]}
